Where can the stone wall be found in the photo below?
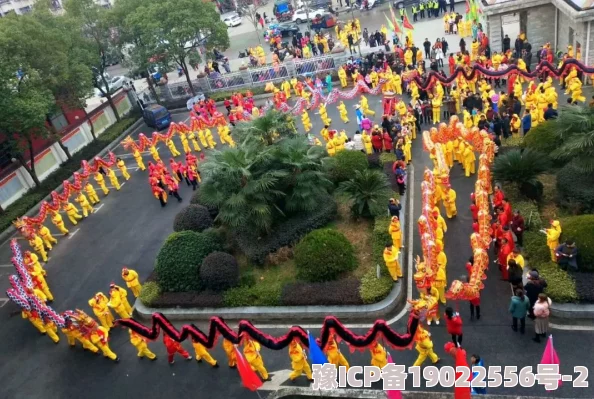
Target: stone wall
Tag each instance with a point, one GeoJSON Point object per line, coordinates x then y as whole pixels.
{"type": "Point", "coordinates": [540, 27]}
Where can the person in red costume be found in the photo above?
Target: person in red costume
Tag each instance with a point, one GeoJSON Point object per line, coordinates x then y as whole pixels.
{"type": "Point", "coordinates": [496, 234]}
{"type": "Point", "coordinates": [498, 197]}
{"type": "Point", "coordinates": [459, 355]}
{"type": "Point", "coordinates": [454, 325]}
{"type": "Point", "coordinates": [502, 217]}
{"type": "Point", "coordinates": [510, 83]}
{"type": "Point", "coordinates": [174, 347]}
{"type": "Point", "coordinates": [376, 142]}
{"type": "Point", "coordinates": [387, 141]}
{"type": "Point", "coordinates": [507, 234]}
{"type": "Point", "coordinates": [474, 211]}
{"type": "Point", "coordinates": [504, 252]}
{"type": "Point", "coordinates": [507, 209]}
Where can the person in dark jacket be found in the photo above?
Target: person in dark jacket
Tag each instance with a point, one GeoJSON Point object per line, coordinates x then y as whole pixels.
{"type": "Point", "coordinates": [386, 125]}
{"type": "Point", "coordinates": [399, 153]}
{"type": "Point", "coordinates": [526, 122]}
{"type": "Point", "coordinates": [567, 255]}
{"type": "Point", "coordinates": [550, 113]}
{"type": "Point", "coordinates": [517, 225]}
{"type": "Point", "coordinates": [518, 307]}
{"type": "Point", "coordinates": [506, 43]}
{"type": "Point", "coordinates": [394, 208]}
{"type": "Point", "coordinates": [534, 286]}
{"type": "Point", "coordinates": [515, 274]}
{"type": "Point", "coordinates": [505, 125]}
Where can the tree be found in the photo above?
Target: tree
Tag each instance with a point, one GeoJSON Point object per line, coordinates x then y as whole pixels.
{"type": "Point", "coordinates": [24, 102]}
{"type": "Point", "coordinates": [575, 128]}
{"type": "Point", "coordinates": [365, 189]}
{"type": "Point", "coordinates": [522, 167]}
{"type": "Point", "coordinates": [179, 30]}
{"type": "Point", "coordinates": [96, 35]}
{"type": "Point", "coordinates": [251, 10]}
{"type": "Point", "coordinates": [271, 126]}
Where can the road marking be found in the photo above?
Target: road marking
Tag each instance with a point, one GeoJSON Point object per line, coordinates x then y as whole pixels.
{"type": "Point", "coordinates": [3, 301]}
{"type": "Point", "coordinates": [58, 235]}
{"type": "Point", "coordinates": [406, 309]}
{"type": "Point", "coordinates": [73, 233]}
{"type": "Point", "coordinates": [95, 210]}
{"type": "Point", "coordinates": [276, 380]}
{"type": "Point", "coordinates": [121, 185]}
{"type": "Point", "coordinates": [11, 265]}
{"type": "Point", "coordinates": [571, 328]}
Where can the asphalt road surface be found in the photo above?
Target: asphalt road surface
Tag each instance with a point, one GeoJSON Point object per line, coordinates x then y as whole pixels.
{"type": "Point", "coordinates": [129, 229]}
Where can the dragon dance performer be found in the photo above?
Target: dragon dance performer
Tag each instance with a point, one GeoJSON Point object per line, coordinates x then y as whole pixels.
{"type": "Point", "coordinates": [333, 353]}
{"type": "Point", "coordinates": [131, 278]}
{"type": "Point", "coordinates": [119, 302]}
{"type": "Point", "coordinates": [113, 179]}
{"type": "Point", "coordinates": [46, 236]}
{"type": "Point", "coordinates": [391, 258]}
{"type": "Point", "coordinates": [91, 193]}
{"type": "Point", "coordinates": [101, 181]}
{"type": "Point", "coordinates": [141, 345]}
{"type": "Point", "coordinates": [379, 356]}
{"type": "Point", "coordinates": [59, 222]}
{"type": "Point", "coordinates": [229, 349]}
{"type": "Point", "coordinates": [72, 212]}
{"type": "Point", "coordinates": [424, 346]}
{"type": "Point", "coordinates": [37, 244]}
{"type": "Point", "coordinates": [138, 158]}
{"type": "Point", "coordinates": [251, 351]}
{"type": "Point", "coordinates": [84, 204]}
{"type": "Point", "coordinates": [100, 338]}
{"type": "Point", "coordinates": [299, 362]}
{"type": "Point", "coordinates": [99, 304]}
{"type": "Point", "coordinates": [174, 347]}
{"type": "Point", "coordinates": [122, 167]}
{"type": "Point", "coordinates": [32, 262]}
{"type": "Point", "coordinates": [202, 354]}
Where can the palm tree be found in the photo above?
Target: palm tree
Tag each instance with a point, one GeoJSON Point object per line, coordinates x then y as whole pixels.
{"type": "Point", "coordinates": [365, 189]}
{"type": "Point", "coordinates": [522, 167]}
{"type": "Point", "coordinates": [267, 128]}
{"type": "Point", "coordinates": [575, 128]}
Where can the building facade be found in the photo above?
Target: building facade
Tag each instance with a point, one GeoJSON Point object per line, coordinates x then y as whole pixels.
{"type": "Point", "coordinates": [558, 22]}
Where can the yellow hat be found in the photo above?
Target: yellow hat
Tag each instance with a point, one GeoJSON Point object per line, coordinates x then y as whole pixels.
{"type": "Point", "coordinates": [555, 223]}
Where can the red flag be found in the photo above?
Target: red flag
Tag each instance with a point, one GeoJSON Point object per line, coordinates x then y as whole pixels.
{"type": "Point", "coordinates": [467, 7]}
{"type": "Point", "coordinates": [393, 394]}
{"type": "Point", "coordinates": [249, 378]}
{"type": "Point", "coordinates": [406, 23]}
{"type": "Point", "coordinates": [462, 392]}
{"type": "Point", "coordinates": [549, 356]}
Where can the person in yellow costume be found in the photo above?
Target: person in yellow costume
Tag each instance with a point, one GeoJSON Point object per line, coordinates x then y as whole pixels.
{"type": "Point", "coordinates": [122, 167]}
{"type": "Point", "coordinates": [98, 176]}
{"type": "Point", "coordinates": [185, 143]}
{"type": "Point", "coordinates": [171, 145]}
{"type": "Point", "coordinates": [414, 91]}
{"type": "Point", "coordinates": [46, 235]}
{"type": "Point", "coordinates": [324, 114]}
{"type": "Point", "coordinates": [251, 351]}
{"type": "Point", "coordinates": [325, 133]}
{"type": "Point", "coordinates": [395, 232]}
{"type": "Point", "coordinates": [131, 278]}
{"type": "Point", "coordinates": [37, 244]}
{"type": "Point", "coordinates": [449, 153]}
{"type": "Point", "coordinates": [113, 179]}
{"type": "Point", "coordinates": [397, 83]}
{"type": "Point", "coordinates": [119, 302]}
{"type": "Point", "coordinates": [229, 349]}
{"type": "Point", "coordinates": [430, 295]}
{"type": "Point", "coordinates": [407, 149]}
{"type": "Point", "coordinates": [441, 277]}
{"type": "Point", "coordinates": [515, 124]}
{"type": "Point", "coordinates": [84, 204]}
{"type": "Point", "coordinates": [379, 357]}
{"type": "Point", "coordinates": [35, 319]}
{"type": "Point", "coordinates": [209, 138]}
{"type": "Point", "coordinates": [367, 142]}
{"type": "Point", "coordinates": [575, 88]}
{"type": "Point", "coordinates": [460, 151]}
{"type": "Point", "coordinates": [401, 108]}
{"type": "Point", "coordinates": [342, 76]}
{"type": "Point", "coordinates": [552, 97]}
{"type": "Point", "coordinates": [436, 107]}
{"type": "Point", "coordinates": [331, 148]}
{"type": "Point", "coordinates": [306, 52]}
{"type": "Point", "coordinates": [100, 338]}
{"type": "Point", "coordinates": [553, 233]}
{"type": "Point", "coordinates": [91, 193]}
{"type": "Point", "coordinates": [202, 354]}
{"type": "Point", "coordinates": [99, 305]}
{"type": "Point", "coordinates": [391, 259]}
{"type": "Point", "coordinates": [32, 262]}
{"type": "Point", "coordinates": [424, 346]}
{"type": "Point", "coordinates": [333, 353]}
{"type": "Point", "coordinates": [534, 115]}
{"type": "Point", "coordinates": [138, 158]}
{"type": "Point", "coordinates": [155, 153]}
{"type": "Point", "coordinates": [408, 57]}
{"type": "Point", "coordinates": [440, 220]}
{"type": "Point", "coordinates": [40, 283]}
{"type": "Point", "coordinates": [299, 362]}
{"type": "Point", "coordinates": [59, 223]}
{"type": "Point", "coordinates": [306, 121]}
{"type": "Point", "coordinates": [450, 203]}
{"type": "Point", "coordinates": [286, 87]}
{"type": "Point", "coordinates": [469, 160]}
{"type": "Point", "coordinates": [374, 78]}
{"type": "Point", "coordinates": [456, 96]}
{"type": "Point", "coordinates": [365, 106]}
{"type": "Point", "coordinates": [73, 334]}
{"type": "Point", "coordinates": [192, 138]}
{"type": "Point", "coordinates": [141, 345]}
{"type": "Point", "coordinates": [202, 138]}
{"type": "Point", "coordinates": [339, 142]}
{"type": "Point", "coordinates": [344, 115]}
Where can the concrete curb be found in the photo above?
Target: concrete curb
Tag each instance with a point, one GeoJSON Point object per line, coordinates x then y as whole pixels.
{"type": "Point", "coordinates": [349, 393]}
{"type": "Point", "coordinates": [6, 234]}
{"type": "Point", "coordinates": [572, 311]}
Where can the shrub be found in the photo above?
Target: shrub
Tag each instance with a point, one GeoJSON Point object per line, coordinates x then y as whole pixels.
{"type": "Point", "coordinates": [380, 207]}
{"type": "Point", "coordinates": [373, 160]}
{"type": "Point", "coordinates": [581, 230]}
{"type": "Point", "coordinates": [522, 167]}
{"type": "Point", "coordinates": [179, 259]}
{"type": "Point", "coordinates": [190, 299]}
{"type": "Point", "coordinates": [560, 285]}
{"type": "Point", "coordinates": [575, 190]}
{"type": "Point", "coordinates": [542, 138]}
{"type": "Point", "coordinates": [323, 255]}
{"type": "Point", "coordinates": [279, 257]}
{"type": "Point", "coordinates": [256, 295]}
{"type": "Point", "coordinates": [511, 142]}
{"type": "Point", "coordinates": [149, 293]}
{"type": "Point", "coordinates": [288, 232]}
{"type": "Point", "coordinates": [584, 286]}
{"type": "Point", "coordinates": [192, 217]}
{"type": "Point", "coordinates": [341, 292]}
{"type": "Point", "coordinates": [535, 248]}
{"type": "Point", "coordinates": [64, 172]}
{"type": "Point", "coordinates": [387, 158]}
{"type": "Point", "coordinates": [366, 189]}
{"type": "Point", "coordinates": [375, 289]}
{"type": "Point", "coordinates": [529, 211]}
{"type": "Point", "coordinates": [196, 200]}
{"type": "Point", "coordinates": [379, 239]}
{"type": "Point", "coordinates": [219, 271]}
{"type": "Point", "coordinates": [346, 163]}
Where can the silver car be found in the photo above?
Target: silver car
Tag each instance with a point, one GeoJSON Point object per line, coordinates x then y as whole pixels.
{"type": "Point", "coordinates": [231, 19]}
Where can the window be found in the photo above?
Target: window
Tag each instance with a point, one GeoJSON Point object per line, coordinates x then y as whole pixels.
{"type": "Point", "coordinates": [59, 121]}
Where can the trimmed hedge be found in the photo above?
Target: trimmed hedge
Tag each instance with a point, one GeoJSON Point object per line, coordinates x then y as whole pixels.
{"type": "Point", "coordinates": [529, 210]}
{"type": "Point", "coordinates": [323, 255]}
{"type": "Point", "coordinates": [256, 295]}
{"type": "Point", "coordinates": [581, 230]}
{"type": "Point", "coordinates": [195, 200]}
{"type": "Point", "coordinates": [190, 299]}
{"type": "Point", "coordinates": [372, 289]}
{"type": "Point", "coordinates": [283, 234]}
{"type": "Point", "coordinates": [178, 261]}
{"type": "Point", "coordinates": [222, 95]}
{"type": "Point", "coordinates": [219, 271]}
{"type": "Point", "coordinates": [193, 218]}
{"type": "Point", "coordinates": [149, 293]}
{"type": "Point", "coordinates": [387, 158]}
{"type": "Point", "coordinates": [64, 172]}
{"type": "Point", "coordinates": [379, 239]}
{"type": "Point", "coordinates": [345, 163]}
{"type": "Point", "coordinates": [342, 292]}
{"type": "Point", "coordinates": [575, 190]}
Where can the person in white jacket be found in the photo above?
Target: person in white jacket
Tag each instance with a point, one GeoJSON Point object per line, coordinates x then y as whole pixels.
{"type": "Point", "coordinates": [358, 142]}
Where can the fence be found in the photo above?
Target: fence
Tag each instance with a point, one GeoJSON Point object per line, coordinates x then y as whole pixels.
{"type": "Point", "coordinates": [314, 65]}
{"type": "Point", "coordinates": [228, 81]}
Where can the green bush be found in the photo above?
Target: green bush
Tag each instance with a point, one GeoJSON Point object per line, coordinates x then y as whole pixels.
{"type": "Point", "coordinates": [345, 163]}
{"type": "Point", "coordinates": [379, 208]}
{"type": "Point", "coordinates": [560, 285]}
{"type": "Point", "coordinates": [512, 142]}
{"type": "Point", "coordinates": [342, 292]}
{"type": "Point", "coordinates": [222, 95]}
{"type": "Point", "coordinates": [196, 200]}
{"type": "Point", "coordinates": [256, 295]}
{"type": "Point", "coordinates": [535, 248]}
{"type": "Point", "coordinates": [581, 230]}
{"type": "Point", "coordinates": [367, 189]}
{"type": "Point", "coordinates": [323, 255]}
{"type": "Point", "coordinates": [192, 217]}
{"type": "Point", "coordinates": [522, 167]}
{"type": "Point", "coordinates": [219, 271]}
{"type": "Point", "coordinates": [373, 160]}
{"type": "Point", "coordinates": [529, 210]}
{"type": "Point", "coordinates": [542, 138]}
{"type": "Point", "coordinates": [64, 172]}
{"type": "Point", "coordinates": [387, 158]}
{"type": "Point", "coordinates": [149, 293]}
{"type": "Point", "coordinates": [379, 238]}
{"type": "Point", "coordinates": [179, 259]}
{"type": "Point", "coordinates": [575, 189]}
{"type": "Point", "coordinates": [375, 289]}
{"type": "Point", "coordinates": [288, 232]}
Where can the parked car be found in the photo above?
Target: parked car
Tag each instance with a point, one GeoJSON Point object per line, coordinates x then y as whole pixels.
{"type": "Point", "coordinates": [314, 4]}
{"type": "Point", "coordinates": [323, 21]}
{"type": "Point", "coordinates": [116, 83]}
{"type": "Point", "coordinates": [156, 116]}
{"type": "Point", "coordinates": [283, 10]}
{"type": "Point", "coordinates": [231, 19]}
{"type": "Point", "coordinates": [288, 28]}
{"type": "Point", "coordinates": [302, 14]}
